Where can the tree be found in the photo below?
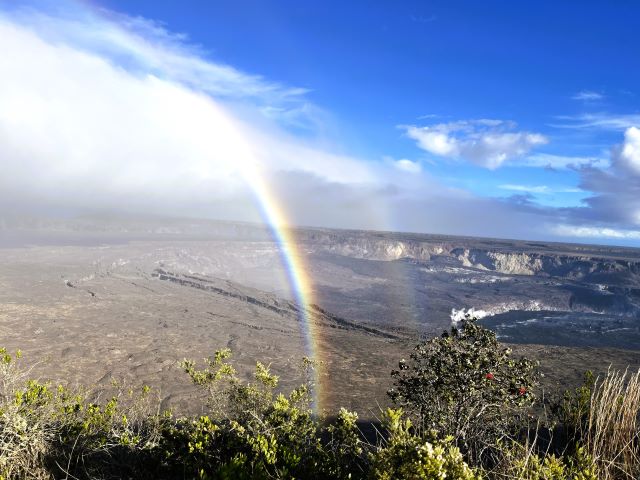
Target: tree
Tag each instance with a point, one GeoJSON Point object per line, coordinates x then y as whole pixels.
{"type": "Point", "coordinates": [466, 385]}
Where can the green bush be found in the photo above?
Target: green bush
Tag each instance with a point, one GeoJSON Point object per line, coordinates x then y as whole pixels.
{"type": "Point", "coordinates": [52, 432]}
{"type": "Point", "coordinates": [464, 384]}
{"type": "Point", "coordinates": [571, 412]}
{"type": "Point", "coordinates": [463, 391]}
{"type": "Point", "coordinates": [521, 462]}
{"type": "Point", "coordinates": [254, 432]}
{"type": "Point", "coordinates": [407, 456]}
{"type": "Point", "coordinates": [250, 432]}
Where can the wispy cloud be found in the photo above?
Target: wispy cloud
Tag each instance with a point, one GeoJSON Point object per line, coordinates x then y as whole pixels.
{"type": "Point", "coordinates": [428, 116]}
{"type": "Point", "coordinates": [146, 47]}
{"type": "Point", "coordinates": [539, 189]}
{"type": "Point", "coordinates": [588, 96]}
{"type": "Point", "coordinates": [603, 121]}
{"type": "Point", "coordinates": [542, 189]}
{"type": "Point", "coordinates": [582, 232]}
{"type": "Point", "coordinates": [486, 142]}
{"type": "Point", "coordinates": [561, 162]}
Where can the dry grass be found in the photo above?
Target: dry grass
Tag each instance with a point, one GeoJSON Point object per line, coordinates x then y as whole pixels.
{"type": "Point", "coordinates": [612, 430]}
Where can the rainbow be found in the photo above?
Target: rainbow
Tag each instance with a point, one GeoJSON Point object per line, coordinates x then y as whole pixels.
{"type": "Point", "coordinates": [292, 258]}
{"type": "Point", "coordinates": [270, 208]}
{"type": "Point", "coordinates": [296, 270]}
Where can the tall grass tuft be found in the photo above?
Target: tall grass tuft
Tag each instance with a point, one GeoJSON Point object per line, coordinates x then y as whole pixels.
{"type": "Point", "coordinates": [612, 429]}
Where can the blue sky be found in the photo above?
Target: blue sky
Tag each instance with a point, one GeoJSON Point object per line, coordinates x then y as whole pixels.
{"type": "Point", "coordinates": [515, 119]}
{"type": "Point", "coordinates": [376, 65]}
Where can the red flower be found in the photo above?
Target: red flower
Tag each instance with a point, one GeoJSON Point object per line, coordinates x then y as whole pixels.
{"type": "Point", "coordinates": [522, 391]}
{"type": "Point", "coordinates": [489, 376]}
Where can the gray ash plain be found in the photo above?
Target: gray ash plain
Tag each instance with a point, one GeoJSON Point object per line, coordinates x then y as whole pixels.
{"type": "Point", "coordinates": [96, 299]}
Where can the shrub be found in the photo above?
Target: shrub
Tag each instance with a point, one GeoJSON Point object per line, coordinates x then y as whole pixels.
{"type": "Point", "coordinates": [407, 456]}
{"type": "Point", "coordinates": [572, 411]}
{"type": "Point", "coordinates": [254, 432]}
{"type": "Point", "coordinates": [24, 412]}
{"type": "Point", "coordinates": [520, 461]}
{"type": "Point", "coordinates": [50, 432]}
{"type": "Point", "coordinates": [466, 385]}
{"type": "Point", "coordinates": [345, 448]}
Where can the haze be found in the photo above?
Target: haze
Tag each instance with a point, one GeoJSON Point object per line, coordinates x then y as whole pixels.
{"type": "Point", "coordinates": [354, 117]}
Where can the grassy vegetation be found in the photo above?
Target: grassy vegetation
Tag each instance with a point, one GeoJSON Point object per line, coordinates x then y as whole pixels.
{"type": "Point", "coordinates": [466, 409]}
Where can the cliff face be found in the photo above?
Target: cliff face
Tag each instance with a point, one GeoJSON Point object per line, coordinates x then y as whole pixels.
{"type": "Point", "coordinates": [489, 276]}
{"type": "Point", "coordinates": [556, 265]}
{"type": "Point", "coordinates": [370, 247]}
{"type": "Point", "coordinates": [509, 263]}
{"type": "Point", "coordinates": [601, 265]}
{"type": "Point", "coordinates": [595, 270]}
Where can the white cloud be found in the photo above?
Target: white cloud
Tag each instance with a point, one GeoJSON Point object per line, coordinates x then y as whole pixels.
{"type": "Point", "coordinates": [615, 190]}
{"type": "Point", "coordinates": [630, 151]}
{"type": "Point", "coordinates": [587, 96]}
{"type": "Point", "coordinates": [79, 129]}
{"type": "Point", "coordinates": [112, 113]}
{"type": "Point", "coordinates": [407, 165]}
{"type": "Point", "coordinates": [581, 232]}
{"type": "Point", "coordinates": [485, 142]}
{"type": "Point", "coordinates": [435, 142]}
